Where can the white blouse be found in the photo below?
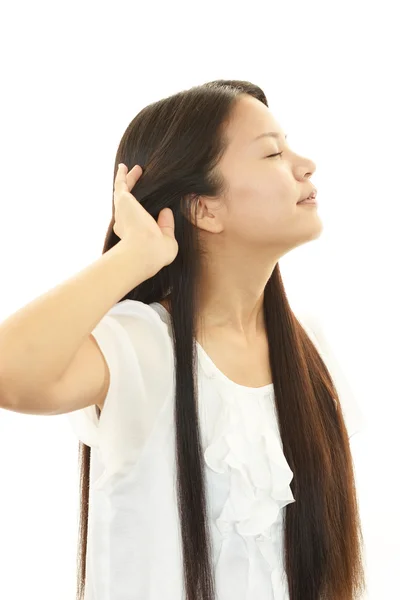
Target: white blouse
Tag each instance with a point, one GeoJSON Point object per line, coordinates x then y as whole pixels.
{"type": "Point", "coordinates": [134, 545]}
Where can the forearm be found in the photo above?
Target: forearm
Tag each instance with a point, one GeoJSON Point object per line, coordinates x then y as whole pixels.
{"type": "Point", "coordinates": [38, 342]}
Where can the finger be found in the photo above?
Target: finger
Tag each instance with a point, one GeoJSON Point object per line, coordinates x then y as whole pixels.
{"type": "Point", "coordinates": [120, 184]}
{"type": "Point", "coordinates": [133, 176]}
{"type": "Point", "coordinates": [166, 222]}
{"type": "Point", "coordinates": [124, 180]}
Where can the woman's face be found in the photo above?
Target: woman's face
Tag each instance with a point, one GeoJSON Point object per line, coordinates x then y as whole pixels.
{"type": "Point", "coordinates": [259, 208]}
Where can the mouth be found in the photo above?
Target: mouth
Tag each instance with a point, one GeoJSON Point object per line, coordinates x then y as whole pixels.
{"type": "Point", "coordinates": [309, 200]}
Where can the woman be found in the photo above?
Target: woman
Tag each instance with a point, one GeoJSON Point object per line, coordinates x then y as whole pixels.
{"type": "Point", "coordinates": [220, 460]}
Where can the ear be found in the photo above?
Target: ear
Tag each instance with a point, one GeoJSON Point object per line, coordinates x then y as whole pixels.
{"type": "Point", "coordinates": [206, 213]}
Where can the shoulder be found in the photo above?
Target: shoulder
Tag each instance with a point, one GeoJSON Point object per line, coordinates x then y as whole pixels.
{"type": "Point", "coordinates": [311, 325]}
{"type": "Point", "coordinates": [341, 373]}
{"type": "Point", "coordinates": [135, 329]}
{"type": "Point", "coordinates": [137, 317]}
{"type": "Point", "coordinates": [134, 309]}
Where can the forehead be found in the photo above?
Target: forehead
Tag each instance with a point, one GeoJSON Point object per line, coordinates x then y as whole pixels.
{"type": "Point", "coordinates": [249, 119]}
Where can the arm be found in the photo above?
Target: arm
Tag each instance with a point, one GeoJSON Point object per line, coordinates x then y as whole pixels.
{"type": "Point", "coordinates": [46, 350]}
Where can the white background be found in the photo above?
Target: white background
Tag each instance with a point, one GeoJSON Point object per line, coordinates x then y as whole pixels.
{"type": "Point", "coordinates": [73, 75]}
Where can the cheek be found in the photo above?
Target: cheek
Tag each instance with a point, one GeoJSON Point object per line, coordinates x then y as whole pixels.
{"type": "Point", "coordinates": [259, 205]}
{"type": "Point", "coordinates": [255, 218]}
{"type": "Point", "coordinates": [260, 200]}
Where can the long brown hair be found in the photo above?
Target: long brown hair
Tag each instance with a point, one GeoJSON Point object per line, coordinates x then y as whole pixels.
{"type": "Point", "coordinates": [179, 141]}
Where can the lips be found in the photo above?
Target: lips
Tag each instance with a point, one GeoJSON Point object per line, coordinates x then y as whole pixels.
{"type": "Point", "coordinates": [312, 196]}
{"type": "Point", "coordinates": [310, 202]}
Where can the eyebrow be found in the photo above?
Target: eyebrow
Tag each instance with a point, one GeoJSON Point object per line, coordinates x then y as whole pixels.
{"type": "Point", "coordinates": [270, 134]}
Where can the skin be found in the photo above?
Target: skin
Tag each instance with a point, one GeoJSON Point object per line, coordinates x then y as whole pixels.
{"type": "Point", "coordinates": [247, 231]}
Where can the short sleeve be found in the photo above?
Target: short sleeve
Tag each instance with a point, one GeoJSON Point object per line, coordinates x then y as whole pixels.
{"type": "Point", "coordinates": [137, 348]}
{"type": "Point", "coordinates": [352, 413]}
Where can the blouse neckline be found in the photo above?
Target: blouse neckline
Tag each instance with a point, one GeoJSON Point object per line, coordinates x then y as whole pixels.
{"type": "Point", "coordinates": [212, 369]}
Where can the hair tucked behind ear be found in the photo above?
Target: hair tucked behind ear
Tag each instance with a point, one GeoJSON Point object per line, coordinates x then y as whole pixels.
{"type": "Point", "coordinates": [179, 141]}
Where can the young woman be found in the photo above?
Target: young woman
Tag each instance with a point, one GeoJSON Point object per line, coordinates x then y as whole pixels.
{"type": "Point", "coordinates": [213, 422]}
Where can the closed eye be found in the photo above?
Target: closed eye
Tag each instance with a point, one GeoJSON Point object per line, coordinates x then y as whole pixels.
{"type": "Point", "coordinates": [277, 154]}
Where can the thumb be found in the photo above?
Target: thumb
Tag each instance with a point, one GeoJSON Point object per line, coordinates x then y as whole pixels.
{"type": "Point", "coordinates": [166, 222]}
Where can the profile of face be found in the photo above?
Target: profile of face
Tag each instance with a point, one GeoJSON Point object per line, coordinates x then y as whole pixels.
{"type": "Point", "coordinates": [259, 210]}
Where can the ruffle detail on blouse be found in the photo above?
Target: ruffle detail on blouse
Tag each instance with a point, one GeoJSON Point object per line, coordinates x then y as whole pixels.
{"type": "Point", "coordinates": [246, 445]}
